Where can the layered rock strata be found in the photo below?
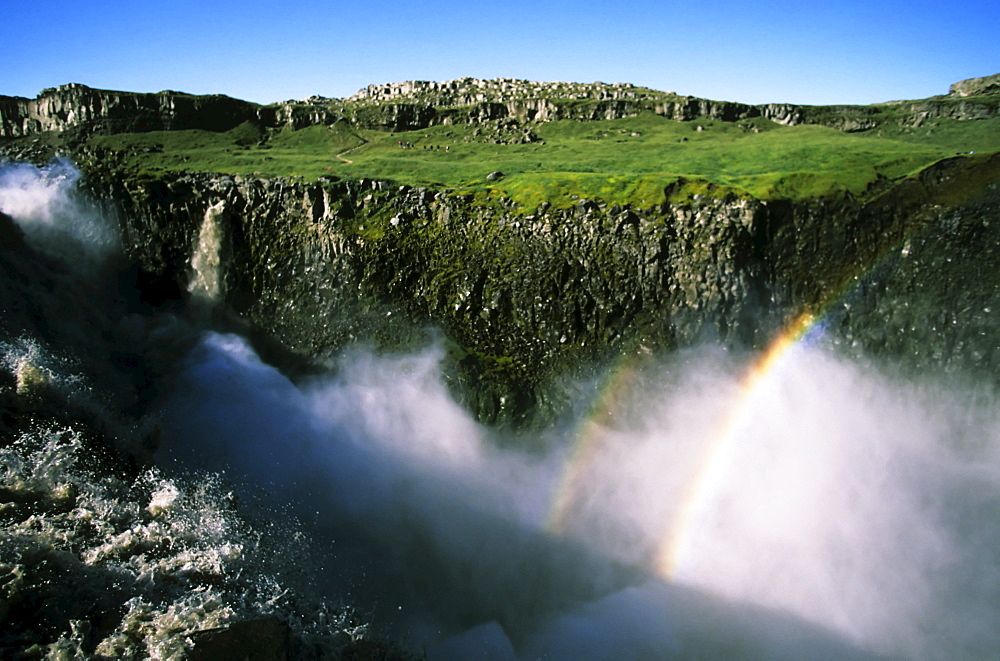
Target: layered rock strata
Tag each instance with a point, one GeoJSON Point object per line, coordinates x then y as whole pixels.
{"type": "Point", "coordinates": [417, 104]}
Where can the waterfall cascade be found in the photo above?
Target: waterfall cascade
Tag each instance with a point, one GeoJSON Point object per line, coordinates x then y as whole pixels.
{"type": "Point", "coordinates": [207, 285]}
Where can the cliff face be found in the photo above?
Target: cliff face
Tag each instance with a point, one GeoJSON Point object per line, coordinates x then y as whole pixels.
{"type": "Point", "coordinates": [976, 86]}
{"type": "Point", "coordinates": [398, 115]}
{"type": "Point", "coordinates": [418, 104]}
{"type": "Point", "coordinates": [524, 297]}
{"type": "Point", "coordinates": [528, 298]}
{"type": "Point", "coordinates": [80, 107]}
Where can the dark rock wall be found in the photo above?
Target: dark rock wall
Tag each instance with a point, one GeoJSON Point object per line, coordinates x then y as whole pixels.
{"type": "Point", "coordinates": [527, 297]}
{"type": "Point", "coordinates": [933, 300]}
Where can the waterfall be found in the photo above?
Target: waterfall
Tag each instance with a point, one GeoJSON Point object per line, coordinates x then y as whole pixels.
{"type": "Point", "coordinates": [207, 284]}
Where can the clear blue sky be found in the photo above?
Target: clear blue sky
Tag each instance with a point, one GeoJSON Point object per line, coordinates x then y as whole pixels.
{"type": "Point", "coordinates": [852, 51]}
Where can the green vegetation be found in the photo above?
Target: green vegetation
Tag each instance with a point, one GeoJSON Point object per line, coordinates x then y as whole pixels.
{"type": "Point", "coordinates": [246, 149]}
{"type": "Point", "coordinates": [642, 160]}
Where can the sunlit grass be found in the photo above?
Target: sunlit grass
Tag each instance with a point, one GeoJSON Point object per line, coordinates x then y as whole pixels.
{"type": "Point", "coordinates": [637, 160]}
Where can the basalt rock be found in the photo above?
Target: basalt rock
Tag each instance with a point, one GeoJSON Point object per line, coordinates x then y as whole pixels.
{"type": "Point", "coordinates": [470, 100]}
{"type": "Point", "coordinates": [527, 296]}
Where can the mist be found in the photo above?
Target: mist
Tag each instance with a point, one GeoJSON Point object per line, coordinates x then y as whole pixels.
{"type": "Point", "coordinates": [56, 219]}
{"type": "Point", "coordinates": [849, 514]}
{"type": "Point", "coordinates": [698, 506]}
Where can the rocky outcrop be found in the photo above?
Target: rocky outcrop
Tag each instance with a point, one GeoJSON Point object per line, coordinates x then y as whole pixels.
{"type": "Point", "coordinates": [976, 86]}
{"type": "Point", "coordinates": [394, 116]}
{"type": "Point", "coordinates": [524, 297]}
{"type": "Point", "coordinates": [313, 111]}
{"type": "Point", "coordinates": [407, 116]}
{"type": "Point", "coordinates": [472, 91]}
{"type": "Point", "coordinates": [528, 295]}
{"type": "Point", "coordinates": [419, 104]}
{"type": "Point", "coordinates": [415, 105]}
{"type": "Point", "coordinates": [77, 106]}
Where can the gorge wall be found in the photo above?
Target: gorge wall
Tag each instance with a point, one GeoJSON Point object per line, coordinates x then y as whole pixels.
{"type": "Point", "coordinates": [114, 356]}
{"type": "Point", "coordinates": [528, 297]}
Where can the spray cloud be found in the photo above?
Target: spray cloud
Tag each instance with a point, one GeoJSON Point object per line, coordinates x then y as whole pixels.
{"type": "Point", "coordinates": [828, 511]}
{"type": "Point", "coordinates": [46, 204]}
{"type": "Point", "coordinates": [849, 516]}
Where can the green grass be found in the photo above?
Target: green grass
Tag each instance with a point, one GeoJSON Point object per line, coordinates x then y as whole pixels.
{"type": "Point", "coordinates": [642, 160]}
{"type": "Point", "coordinates": [308, 153]}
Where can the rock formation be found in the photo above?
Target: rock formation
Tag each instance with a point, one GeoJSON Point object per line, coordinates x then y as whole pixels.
{"type": "Point", "coordinates": [976, 86]}
{"type": "Point", "coordinates": [530, 297]}
{"type": "Point", "coordinates": [419, 104]}
{"type": "Point", "coordinates": [77, 106]}
{"type": "Point", "coordinates": [527, 303]}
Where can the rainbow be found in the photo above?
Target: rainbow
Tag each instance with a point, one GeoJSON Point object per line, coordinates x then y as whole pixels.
{"type": "Point", "coordinates": [678, 533]}
{"type": "Point", "coordinates": [588, 441]}
{"type": "Point", "coordinates": [710, 478]}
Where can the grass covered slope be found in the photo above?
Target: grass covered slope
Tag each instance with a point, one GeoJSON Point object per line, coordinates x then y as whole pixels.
{"type": "Point", "coordinates": [635, 160]}
{"type": "Point", "coordinates": [554, 143]}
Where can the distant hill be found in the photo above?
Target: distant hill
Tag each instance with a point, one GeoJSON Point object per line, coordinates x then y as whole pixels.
{"type": "Point", "coordinates": [419, 104]}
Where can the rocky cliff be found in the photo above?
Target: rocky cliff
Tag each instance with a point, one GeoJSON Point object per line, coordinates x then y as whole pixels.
{"type": "Point", "coordinates": [528, 298]}
{"type": "Point", "coordinates": [420, 104]}
{"type": "Point", "coordinates": [976, 86]}
{"type": "Point", "coordinates": [77, 106]}
{"type": "Point", "coordinates": [105, 555]}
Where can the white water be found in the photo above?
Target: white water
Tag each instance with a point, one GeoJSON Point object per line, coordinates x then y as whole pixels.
{"type": "Point", "coordinates": [854, 514]}
{"type": "Point", "coordinates": [55, 218]}
{"type": "Point", "coordinates": [95, 559]}
{"type": "Point", "coordinates": [206, 284]}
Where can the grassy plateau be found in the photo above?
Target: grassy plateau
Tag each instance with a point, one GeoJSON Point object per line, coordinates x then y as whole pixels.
{"type": "Point", "coordinates": [642, 160]}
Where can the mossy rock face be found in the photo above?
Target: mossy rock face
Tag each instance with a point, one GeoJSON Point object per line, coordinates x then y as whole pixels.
{"type": "Point", "coordinates": [932, 299]}
{"type": "Point", "coordinates": [527, 299]}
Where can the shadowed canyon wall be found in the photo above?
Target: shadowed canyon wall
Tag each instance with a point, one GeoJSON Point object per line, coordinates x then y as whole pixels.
{"type": "Point", "coordinates": [526, 296]}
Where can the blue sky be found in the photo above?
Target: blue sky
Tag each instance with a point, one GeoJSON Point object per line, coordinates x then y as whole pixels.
{"type": "Point", "coordinates": [853, 51]}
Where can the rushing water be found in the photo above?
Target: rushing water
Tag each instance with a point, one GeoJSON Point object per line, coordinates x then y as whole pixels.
{"type": "Point", "coordinates": [807, 506]}
{"type": "Point", "coordinates": [206, 284]}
